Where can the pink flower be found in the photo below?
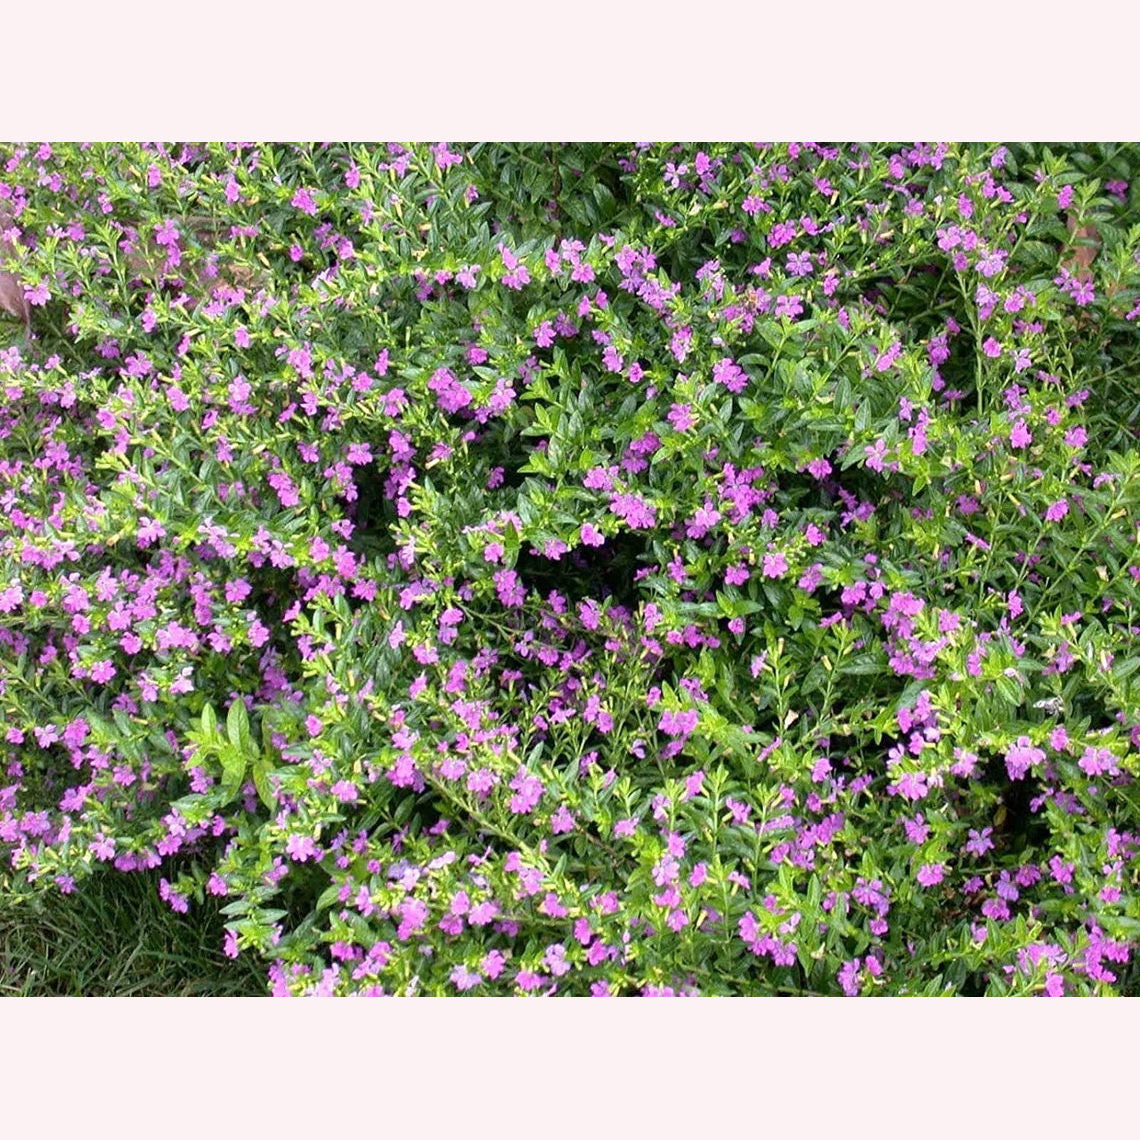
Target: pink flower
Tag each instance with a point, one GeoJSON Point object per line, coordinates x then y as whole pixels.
{"type": "Point", "coordinates": [876, 453]}
{"type": "Point", "coordinates": [562, 821]}
{"type": "Point", "coordinates": [730, 374]}
{"type": "Point", "coordinates": [591, 536]}
{"type": "Point", "coordinates": [444, 157]}
{"type": "Point", "coordinates": [681, 417]}
{"type": "Point", "coordinates": [511, 591]}
{"type": "Point", "coordinates": [679, 723]}
{"type": "Point", "coordinates": [885, 359]}
{"type": "Point", "coordinates": [931, 874]}
{"type": "Point", "coordinates": [775, 565]}
{"type": "Point", "coordinates": [1098, 762]}
{"type": "Point", "coordinates": [781, 233]}
{"type": "Point", "coordinates": [166, 233]}
{"type": "Point", "coordinates": [789, 306]}
{"type": "Point", "coordinates": [979, 842]}
{"type": "Point", "coordinates": [1084, 293]}
{"type": "Point", "coordinates": [911, 786]}
{"type": "Point", "coordinates": [1020, 756]}
{"type": "Point", "coordinates": [301, 848]}
{"type": "Point", "coordinates": [634, 511]}
{"type": "Point", "coordinates": [1057, 511]}
{"type": "Point", "coordinates": [302, 200]}
{"type": "Point", "coordinates": [811, 577]}
{"type": "Point", "coordinates": [492, 964]}
{"type": "Point", "coordinates": [464, 979]}
{"type": "Point", "coordinates": [1020, 436]}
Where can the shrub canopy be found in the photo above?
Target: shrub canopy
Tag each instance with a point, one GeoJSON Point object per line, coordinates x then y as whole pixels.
{"type": "Point", "coordinates": [613, 569]}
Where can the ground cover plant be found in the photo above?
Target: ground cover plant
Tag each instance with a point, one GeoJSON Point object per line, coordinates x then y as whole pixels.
{"type": "Point", "coordinates": [575, 569]}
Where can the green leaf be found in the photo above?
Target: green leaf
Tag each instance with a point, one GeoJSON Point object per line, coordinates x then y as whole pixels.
{"type": "Point", "coordinates": [1009, 690]}
{"type": "Point", "coordinates": [237, 728]}
{"type": "Point", "coordinates": [261, 782]}
{"type": "Point", "coordinates": [234, 763]}
{"type": "Point", "coordinates": [209, 722]}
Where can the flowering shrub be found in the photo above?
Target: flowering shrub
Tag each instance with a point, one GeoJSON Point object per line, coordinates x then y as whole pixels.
{"type": "Point", "coordinates": [592, 569]}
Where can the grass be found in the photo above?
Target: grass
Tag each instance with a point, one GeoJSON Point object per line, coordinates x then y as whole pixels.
{"type": "Point", "coordinates": [116, 938]}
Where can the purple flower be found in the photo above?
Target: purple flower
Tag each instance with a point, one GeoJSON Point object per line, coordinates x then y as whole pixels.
{"type": "Point", "coordinates": [1020, 756]}
{"type": "Point", "coordinates": [931, 874]}
{"type": "Point", "coordinates": [464, 979]}
{"type": "Point", "coordinates": [992, 263]}
{"type": "Point", "coordinates": [175, 899]}
{"type": "Point", "coordinates": [885, 359]}
{"type": "Point", "coordinates": [511, 591]}
{"type": "Point", "coordinates": [555, 960]}
{"type": "Point", "coordinates": [911, 786]}
{"type": "Point", "coordinates": [301, 848]}
{"type": "Point", "coordinates": [443, 157]}
{"type": "Point", "coordinates": [811, 577]}
{"type": "Point", "coordinates": [876, 453]}
{"type": "Point", "coordinates": [789, 306]}
{"type": "Point", "coordinates": [634, 510]}
{"type": "Point", "coordinates": [1084, 293]}
{"type": "Point", "coordinates": [780, 234]}
{"type": "Point", "coordinates": [562, 821]}
{"type": "Point", "coordinates": [413, 915]}
{"type": "Point", "coordinates": [1020, 436]}
{"type": "Point", "coordinates": [451, 395]}
{"type": "Point", "coordinates": [775, 565]}
{"type": "Point", "coordinates": [979, 842]}
{"type": "Point", "coordinates": [730, 374]}
{"type": "Point", "coordinates": [166, 233]}
{"type": "Point", "coordinates": [681, 417]}
{"type": "Point", "coordinates": [799, 264]}
{"type": "Point", "coordinates": [679, 723]}
{"type": "Point", "coordinates": [1098, 762]}
{"type": "Point", "coordinates": [303, 201]}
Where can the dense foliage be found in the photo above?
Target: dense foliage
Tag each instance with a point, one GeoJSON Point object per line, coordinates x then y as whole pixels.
{"type": "Point", "coordinates": [592, 569]}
